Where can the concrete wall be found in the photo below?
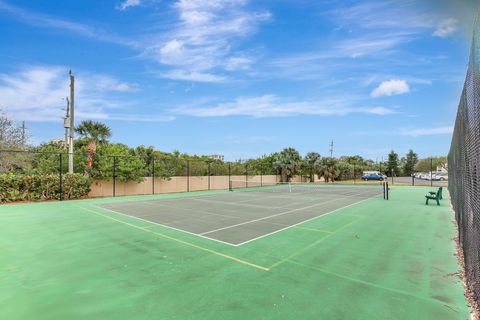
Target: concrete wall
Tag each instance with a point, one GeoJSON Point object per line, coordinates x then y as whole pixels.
{"type": "Point", "coordinates": [104, 188]}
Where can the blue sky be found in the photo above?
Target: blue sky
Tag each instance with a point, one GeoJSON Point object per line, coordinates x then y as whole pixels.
{"type": "Point", "coordinates": [241, 78]}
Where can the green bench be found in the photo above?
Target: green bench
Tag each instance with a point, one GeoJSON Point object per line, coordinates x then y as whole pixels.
{"type": "Point", "coordinates": [432, 195]}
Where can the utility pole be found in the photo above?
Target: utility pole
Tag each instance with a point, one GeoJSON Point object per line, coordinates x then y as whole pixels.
{"type": "Point", "coordinates": [331, 149]}
{"type": "Point", "coordinates": [72, 122]}
{"type": "Point", "coordinates": [66, 124]}
{"type": "Point", "coordinates": [23, 134]}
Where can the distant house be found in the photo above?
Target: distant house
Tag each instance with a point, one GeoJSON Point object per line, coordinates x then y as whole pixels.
{"type": "Point", "coordinates": [442, 169]}
{"type": "Point", "coordinates": [217, 157]}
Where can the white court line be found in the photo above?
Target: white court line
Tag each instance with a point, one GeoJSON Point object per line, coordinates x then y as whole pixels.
{"type": "Point", "coordinates": [223, 242]}
{"type": "Point", "coordinates": [274, 215]}
{"type": "Point", "coordinates": [284, 196]}
{"type": "Point", "coordinates": [304, 221]}
{"type": "Point", "coordinates": [238, 204]}
{"type": "Point", "coordinates": [189, 209]}
{"type": "Point", "coordinates": [165, 226]}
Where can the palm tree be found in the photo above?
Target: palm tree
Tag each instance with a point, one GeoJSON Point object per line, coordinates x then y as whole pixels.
{"type": "Point", "coordinates": [287, 162]}
{"type": "Point", "coordinates": [328, 169]}
{"type": "Point", "coordinates": [93, 132]}
{"type": "Point", "coordinates": [313, 162]}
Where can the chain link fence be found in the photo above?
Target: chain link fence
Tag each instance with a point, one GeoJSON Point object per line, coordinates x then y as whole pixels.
{"type": "Point", "coordinates": [120, 175]}
{"type": "Point", "coordinates": [464, 168]}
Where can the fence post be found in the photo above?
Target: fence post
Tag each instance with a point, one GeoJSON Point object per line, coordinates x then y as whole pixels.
{"type": "Point", "coordinates": [114, 174]}
{"type": "Point", "coordinates": [61, 177]}
{"type": "Point", "coordinates": [431, 169]}
{"type": "Point", "coordinates": [354, 176]}
{"type": "Point", "coordinates": [208, 174]}
{"type": "Point", "coordinates": [229, 175]}
{"type": "Point", "coordinates": [153, 175]}
{"type": "Point", "coordinates": [188, 175]}
{"type": "Point", "coordinates": [413, 180]}
{"type": "Point", "coordinates": [261, 176]}
{"type": "Point", "coordinates": [246, 175]}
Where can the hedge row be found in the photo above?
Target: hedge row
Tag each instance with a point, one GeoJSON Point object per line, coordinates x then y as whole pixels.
{"type": "Point", "coordinates": [14, 187]}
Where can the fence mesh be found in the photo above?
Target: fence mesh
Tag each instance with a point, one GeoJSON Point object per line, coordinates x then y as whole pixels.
{"type": "Point", "coordinates": [464, 166]}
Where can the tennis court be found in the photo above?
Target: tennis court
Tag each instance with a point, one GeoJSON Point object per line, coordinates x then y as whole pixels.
{"type": "Point", "coordinates": [251, 210]}
{"type": "Point", "coordinates": [352, 255]}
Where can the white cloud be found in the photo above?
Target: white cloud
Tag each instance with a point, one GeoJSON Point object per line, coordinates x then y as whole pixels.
{"type": "Point", "coordinates": [194, 76]}
{"type": "Point", "coordinates": [426, 131]}
{"type": "Point", "coordinates": [390, 88]}
{"type": "Point", "coordinates": [368, 45]}
{"type": "Point", "coordinates": [385, 14]}
{"type": "Point", "coordinates": [47, 21]}
{"type": "Point", "coordinates": [237, 63]}
{"type": "Point", "coordinates": [127, 4]}
{"type": "Point", "coordinates": [273, 106]}
{"type": "Point", "coordinates": [446, 27]}
{"type": "Point", "coordinates": [202, 40]}
{"type": "Point", "coordinates": [37, 93]}
{"type": "Point", "coordinates": [382, 111]}
{"type": "Point", "coordinates": [106, 83]}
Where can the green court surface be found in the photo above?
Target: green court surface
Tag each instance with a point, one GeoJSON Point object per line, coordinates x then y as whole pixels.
{"type": "Point", "coordinates": [374, 259]}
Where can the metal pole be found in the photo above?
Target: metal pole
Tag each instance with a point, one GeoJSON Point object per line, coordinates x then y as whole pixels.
{"type": "Point", "coordinates": [114, 174]}
{"type": "Point", "coordinates": [72, 122]}
{"type": "Point", "coordinates": [61, 177]}
{"type": "Point", "coordinates": [229, 175]}
{"type": "Point", "coordinates": [209, 175]}
{"type": "Point", "coordinates": [188, 176]}
{"type": "Point", "coordinates": [246, 175]}
{"type": "Point", "coordinates": [413, 180]}
{"type": "Point", "coordinates": [153, 175]}
{"type": "Point", "coordinates": [312, 178]}
{"type": "Point", "coordinates": [261, 176]}
{"type": "Point", "coordinates": [354, 178]}
{"type": "Point", "coordinates": [431, 169]}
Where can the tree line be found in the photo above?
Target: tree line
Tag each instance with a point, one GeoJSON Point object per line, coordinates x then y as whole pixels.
{"type": "Point", "coordinates": [98, 158]}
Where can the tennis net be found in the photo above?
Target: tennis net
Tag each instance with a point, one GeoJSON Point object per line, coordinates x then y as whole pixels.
{"type": "Point", "coordinates": [308, 188]}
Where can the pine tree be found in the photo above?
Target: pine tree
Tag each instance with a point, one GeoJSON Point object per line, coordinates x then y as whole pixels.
{"type": "Point", "coordinates": [411, 161]}
{"type": "Point", "coordinates": [392, 164]}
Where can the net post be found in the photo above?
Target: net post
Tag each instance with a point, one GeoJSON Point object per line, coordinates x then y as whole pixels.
{"type": "Point", "coordinates": [413, 180]}
{"type": "Point", "coordinates": [61, 176]}
{"type": "Point", "coordinates": [114, 174]}
{"type": "Point", "coordinates": [388, 192]}
{"type": "Point", "coordinates": [384, 191]}
{"type": "Point", "coordinates": [153, 175]}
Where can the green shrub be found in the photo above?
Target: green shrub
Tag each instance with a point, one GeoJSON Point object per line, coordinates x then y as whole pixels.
{"type": "Point", "coordinates": [35, 187]}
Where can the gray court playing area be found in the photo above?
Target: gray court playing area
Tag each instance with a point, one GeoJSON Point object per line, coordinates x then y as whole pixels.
{"type": "Point", "coordinates": [245, 214]}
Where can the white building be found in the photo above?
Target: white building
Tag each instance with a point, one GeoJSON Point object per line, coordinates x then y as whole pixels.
{"type": "Point", "coordinates": [220, 157]}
